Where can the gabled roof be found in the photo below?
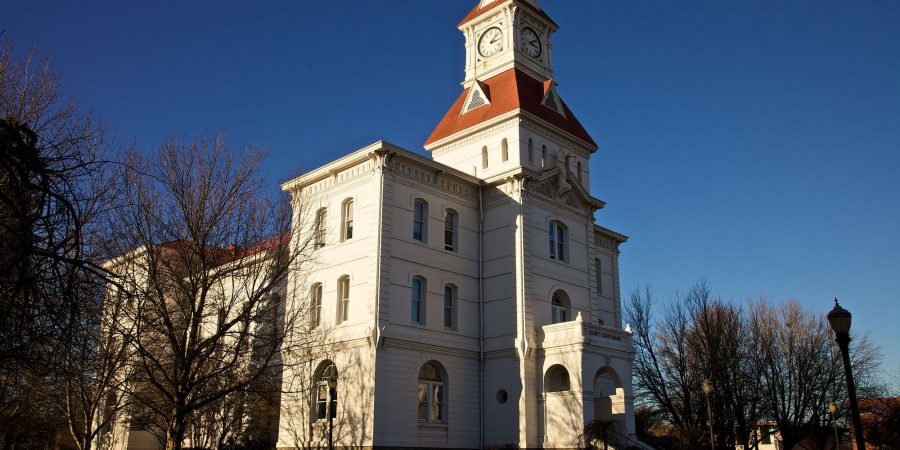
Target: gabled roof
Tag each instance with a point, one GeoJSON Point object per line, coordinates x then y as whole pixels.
{"type": "Point", "coordinates": [509, 90]}
{"type": "Point", "coordinates": [478, 11]}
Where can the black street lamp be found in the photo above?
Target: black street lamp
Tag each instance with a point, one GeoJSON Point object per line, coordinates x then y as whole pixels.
{"type": "Point", "coordinates": [331, 378]}
{"type": "Point", "coordinates": [840, 319]}
{"type": "Point", "coordinates": [707, 392]}
{"type": "Point", "coordinates": [832, 408]}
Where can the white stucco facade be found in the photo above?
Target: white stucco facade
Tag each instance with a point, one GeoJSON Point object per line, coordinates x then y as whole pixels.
{"type": "Point", "coordinates": [470, 296]}
{"type": "Point", "coordinates": [470, 299]}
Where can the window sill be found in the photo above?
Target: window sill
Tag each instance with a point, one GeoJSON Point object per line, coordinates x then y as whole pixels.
{"type": "Point", "coordinates": [434, 425]}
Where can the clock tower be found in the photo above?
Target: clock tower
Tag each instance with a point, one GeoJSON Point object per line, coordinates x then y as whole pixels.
{"type": "Point", "coordinates": [510, 116]}
{"type": "Point", "coordinates": [501, 35]}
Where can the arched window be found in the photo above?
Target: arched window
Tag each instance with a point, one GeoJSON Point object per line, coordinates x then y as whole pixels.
{"type": "Point", "coordinates": [530, 150]}
{"type": "Point", "coordinates": [504, 154]}
{"type": "Point", "coordinates": [319, 228]}
{"type": "Point", "coordinates": [558, 241]}
{"type": "Point", "coordinates": [343, 306]}
{"type": "Point", "coordinates": [559, 307]}
{"type": "Point", "coordinates": [417, 308]}
{"type": "Point", "coordinates": [556, 379]}
{"type": "Point", "coordinates": [599, 275]}
{"type": "Point", "coordinates": [450, 295]}
{"type": "Point", "coordinates": [347, 220]}
{"type": "Point", "coordinates": [420, 215]}
{"type": "Point", "coordinates": [431, 394]}
{"type": "Point", "coordinates": [451, 222]}
{"type": "Point", "coordinates": [315, 305]}
{"type": "Point", "coordinates": [544, 157]}
{"type": "Point", "coordinates": [324, 372]}
{"type": "Point", "coordinates": [484, 157]}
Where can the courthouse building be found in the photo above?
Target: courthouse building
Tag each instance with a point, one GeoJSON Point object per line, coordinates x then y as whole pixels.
{"type": "Point", "coordinates": [476, 300]}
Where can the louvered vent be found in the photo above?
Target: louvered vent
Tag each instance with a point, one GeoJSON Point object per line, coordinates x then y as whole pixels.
{"type": "Point", "coordinates": [477, 100]}
{"type": "Point", "coordinates": [550, 101]}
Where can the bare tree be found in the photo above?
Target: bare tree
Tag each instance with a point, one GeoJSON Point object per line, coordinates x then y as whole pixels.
{"type": "Point", "coordinates": [96, 374]}
{"type": "Point", "coordinates": [53, 186]}
{"type": "Point", "coordinates": [664, 368]}
{"type": "Point", "coordinates": [206, 256]}
{"type": "Point", "coordinates": [801, 369]}
{"type": "Point", "coordinates": [723, 351]}
{"type": "Point", "coordinates": [772, 362]}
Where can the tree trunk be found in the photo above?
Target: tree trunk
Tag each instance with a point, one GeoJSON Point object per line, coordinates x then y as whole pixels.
{"type": "Point", "coordinates": [175, 431]}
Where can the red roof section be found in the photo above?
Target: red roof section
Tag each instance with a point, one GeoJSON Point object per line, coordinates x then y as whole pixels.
{"type": "Point", "coordinates": [508, 91]}
{"type": "Point", "coordinates": [476, 11]}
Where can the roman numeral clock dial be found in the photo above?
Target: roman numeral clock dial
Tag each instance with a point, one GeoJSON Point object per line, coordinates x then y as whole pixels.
{"type": "Point", "coordinates": [531, 43]}
{"type": "Point", "coordinates": [491, 42]}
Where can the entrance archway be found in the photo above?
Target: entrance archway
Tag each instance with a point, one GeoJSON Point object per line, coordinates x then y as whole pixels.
{"type": "Point", "coordinates": [609, 397]}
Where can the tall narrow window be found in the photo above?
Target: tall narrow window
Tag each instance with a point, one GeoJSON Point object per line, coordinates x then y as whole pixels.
{"type": "Point", "coordinates": [484, 157]}
{"type": "Point", "coordinates": [432, 386]}
{"type": "Point", "coordinates": [599, 275]}
{"type": "Point", "coordinates": [343, 298]}
{"type": "Point", "coordinates": [418, 301]}
{"type": "Point", "coordinates": [579, 171]}
{"type": "Point", "coordinates": [319, 228]}
{"type": "Point", "coordinates": [315, 305]}
{"type": "Point", "coordinates": [559, 308]}
{"type": "Point", "coordinates": [544, 156]}
{"type": "Point", "coordinates": [530, 150]}
{"type": "Point", "coordinates": [558, 238]}
{"type": "Point", "coordinates": [420, 213]}
{"type": "Point", "coordinates": [504, 154]}
{"type": "Point", "coordinates": [450, 306]}
{"type": "Point", "coordinates": [323, 373]}
{"type": "Point", "coordinates": [347, 222]}
{"type": "Point", "coordinates": [450, 226]}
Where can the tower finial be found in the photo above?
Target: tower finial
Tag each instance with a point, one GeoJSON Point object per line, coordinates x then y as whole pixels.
{"type": "Point", "coordinates": [836, 302]}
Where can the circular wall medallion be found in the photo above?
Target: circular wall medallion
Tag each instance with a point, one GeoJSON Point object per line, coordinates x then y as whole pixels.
{"type": "Point", "coordinates": [502, 396]}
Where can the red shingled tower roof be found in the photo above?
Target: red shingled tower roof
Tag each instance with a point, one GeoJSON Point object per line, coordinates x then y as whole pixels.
{"type": "Point", "coordinates": [508, 91]}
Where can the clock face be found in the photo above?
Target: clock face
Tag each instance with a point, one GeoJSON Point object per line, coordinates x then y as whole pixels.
{"type": "Point", "coordinates": [491, 42]}
{"type": "Point", "coordinates": [531, 43]}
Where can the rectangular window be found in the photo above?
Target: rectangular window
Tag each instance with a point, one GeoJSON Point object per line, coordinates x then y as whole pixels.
{"type": "Point", "coordinates": [599, 275]}
{"type": "Point", "coordinates": [437, 401]}
{"type": "Point", "coordinates": [322, 402]}
{"type": "Point", "coordinates": [419, 221]}
{"type": "Point", "coordinates": [316, 305]}
{"type": "Point", "coordinates": [448, 307]}
{"type": "Point", "coordinates": [450, 231]}
{"type": "Point", "coordinates": [348, 220]}
{"type": "Point", "coordinates": [553, 241]}
{"type": "Point", "coordinates": [557, 241]}
{"type": "Point", "coordinates": [423, 402]}
{"type": "Point", "coordinates": [344, 289]}
{"type": "Point", "coordinates": [319, 228]}
{"type": "Point", "coordinates": [417, 297]}
{"type": "Point", "coordinates": [560, 244]}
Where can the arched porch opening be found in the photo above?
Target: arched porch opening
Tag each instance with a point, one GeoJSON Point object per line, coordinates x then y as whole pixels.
{"type": "Point", "coordinates": [609, 397]}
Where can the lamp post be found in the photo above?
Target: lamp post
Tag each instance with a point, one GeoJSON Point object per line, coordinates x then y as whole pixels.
{"type": "Point", "coordinates": [832, 408]}
{"type": "Point", "coordinates": [707, 392]}
{"type": "Point", "coordinates": [840, 319]}
{"type": "Point", "coordinates": [331, 378]}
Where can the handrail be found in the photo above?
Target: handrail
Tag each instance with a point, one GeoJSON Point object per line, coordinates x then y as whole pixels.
{"type": "Point", "coordinates": [640, 444]}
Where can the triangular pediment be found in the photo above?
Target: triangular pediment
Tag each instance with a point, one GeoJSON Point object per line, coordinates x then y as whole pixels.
{"type": "Point", "coordinates": [551, 98]}
{"type": "Point", "coordinates": [556, 186]}
{"type": "Point", "coordinates": [479, 95]}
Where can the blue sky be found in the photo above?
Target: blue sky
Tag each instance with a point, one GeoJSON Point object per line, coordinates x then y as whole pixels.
{"type": "Point", "coordinates": [754, 144]}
